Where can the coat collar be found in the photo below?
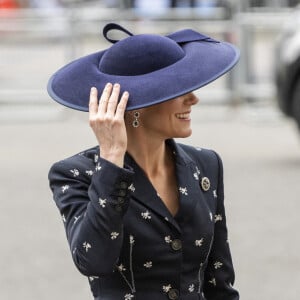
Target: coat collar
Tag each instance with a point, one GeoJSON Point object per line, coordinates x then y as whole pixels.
{"type": "Point", "coordinates": [181, 155]}
{"type": "Point", "coordinates": [188, 186]}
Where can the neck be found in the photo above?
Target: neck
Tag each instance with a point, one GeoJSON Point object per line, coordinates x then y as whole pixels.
{"type": "Point", "coordinates": [151, 155]}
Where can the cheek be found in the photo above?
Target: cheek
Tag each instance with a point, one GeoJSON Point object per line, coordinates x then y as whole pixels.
{"type": "Point", "coordinates": [152, 121]}
{"type": "Point", "coordinates": [161, 119]}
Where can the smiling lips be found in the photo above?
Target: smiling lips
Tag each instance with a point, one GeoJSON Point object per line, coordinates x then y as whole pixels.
{"type": "Point", "coordinates": [183, 116]}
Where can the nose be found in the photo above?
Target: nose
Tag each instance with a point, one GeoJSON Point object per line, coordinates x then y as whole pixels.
{"type": "Point", "coordinates": [191, 99]}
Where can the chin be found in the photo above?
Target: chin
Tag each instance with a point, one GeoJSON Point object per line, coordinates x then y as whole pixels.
{"type": "Point", "coordinates": [184, 134]}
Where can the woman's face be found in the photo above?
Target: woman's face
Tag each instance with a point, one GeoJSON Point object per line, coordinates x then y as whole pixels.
{"type": "Point", "coordinates": [170, 119]}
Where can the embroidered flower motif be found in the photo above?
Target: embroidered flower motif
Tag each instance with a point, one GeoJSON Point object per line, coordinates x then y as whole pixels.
{"type": "Point", "coordinates": [96, 157]}
{"type": "Point", "coordinates": [65, 187]}
{"type": "Point", "coordinates": [218, 265]}
{"type": "Point", "coordinates": [199, 243]}
{"type": "Point", "coordinates": [128, 296]}
{"type": "Point", "coordinates": [215, 194]}
{"type": "Point", "coordinates": [114, 235]}
{"type": "Point", "coordinates": [131, 239]}
{"type": "Point", "coordinates": [76, 219]}
{"type": "Point", "coordinates": [148, 264]}
{"type": "Point", "coordinates": [213, 281]}
{"type": "Point", "coordinates": [168, 239]}
{"type": "Point", "coordinates": [146, 215]}
{"type": "Point", "coordinates": [86, 246]}
{"type": "Point", "coordinates": [121, 268]}
{"type": "Point", "coordinates": [98, 167]}
{"type": "Point", "coordinates": [89, 172]}
{"type": "Point", "coordinates": [166, 288]}
{"type": "Point", "coordinates": [218, 218]}
{"type": "Point", "coordinates": [63, 218]}
{"type": "Point", "coordinates": [75, 172]}
{"type": "Point", "coordinates": [197, 173]}
{"type": "Point", "coordinates": [191, 288]}
{"type": "Point", "coordinates": [183, 191]}
{"type": "Point", "coordinates": [92, 278]}
{"type": "Point", "coordinates": [131, 187]}
{"type": "Point", "coordinates": [102, 202]}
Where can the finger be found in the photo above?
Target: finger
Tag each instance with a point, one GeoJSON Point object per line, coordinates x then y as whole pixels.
{"type": "Point", "coordinates": [120, 111]}
{"type": "Point", "coordinates": [113, 100]}
{"type": "Point", "coordinates": [104, 98]}
{"type": "Point", "coordinates": [93, 103]}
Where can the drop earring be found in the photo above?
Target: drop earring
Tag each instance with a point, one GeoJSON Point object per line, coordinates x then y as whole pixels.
{"type": "Point", "coordinates": [136, 122]}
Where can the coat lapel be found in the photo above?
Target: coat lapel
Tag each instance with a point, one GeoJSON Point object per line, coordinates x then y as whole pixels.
{"type": "Point", "coordinates": [187, 174]}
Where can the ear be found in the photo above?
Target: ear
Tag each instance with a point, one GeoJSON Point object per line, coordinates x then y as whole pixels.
{"type": "Point", "coordinates": [132, 117]}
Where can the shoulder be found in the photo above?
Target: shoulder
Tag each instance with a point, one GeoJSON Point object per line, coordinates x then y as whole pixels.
{"type": "Point", "coordinates": [83, 162]}
{"type": "Point", "coordinates": [209, 165]}
{"type": "Point", "coordinates": [208, 162]}
{"type": "Point", "coordinates": [208, 158]}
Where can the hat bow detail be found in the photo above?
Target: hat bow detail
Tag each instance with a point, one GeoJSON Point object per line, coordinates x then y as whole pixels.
{"type": "Point", "coordinates": [180, 37]}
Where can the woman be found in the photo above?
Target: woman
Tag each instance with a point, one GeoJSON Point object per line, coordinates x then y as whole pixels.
{"type": "Point", "coordinates": [144, 216]}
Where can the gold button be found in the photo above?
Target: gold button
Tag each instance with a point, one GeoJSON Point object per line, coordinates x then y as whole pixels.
{"type": "Point", "coordinates": [173, 294]}
{"type": "Point", "coordinates": [123, 185]}
{"type": "Point", "coordinates": [205, 184]}
{"type": "Point", "coordinates": [122, 193]}
{"type": "Point", "coordinates": [118, 208]}
{"type": "Point", "coordinates": [176, 245]}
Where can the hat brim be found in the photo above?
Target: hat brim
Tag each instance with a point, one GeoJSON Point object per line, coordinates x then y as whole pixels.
{"type": "Point", "coordinates": [202, 63]}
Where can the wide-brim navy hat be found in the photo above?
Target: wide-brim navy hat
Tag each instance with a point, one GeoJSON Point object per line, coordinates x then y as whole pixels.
{"type": "Point", "coordinates": [152, 68]}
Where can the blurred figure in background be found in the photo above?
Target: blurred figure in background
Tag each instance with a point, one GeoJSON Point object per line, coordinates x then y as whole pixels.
{"type": "Point", "coordinates": [8, 4]}
{"type": "Point", "coordinates": [13, 4]}
{"type": "Point", "coordinates": [44, 3]}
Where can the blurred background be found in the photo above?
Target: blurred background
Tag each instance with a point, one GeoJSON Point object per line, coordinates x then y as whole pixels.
{"type": "Point", "coordinates": [250, 116]}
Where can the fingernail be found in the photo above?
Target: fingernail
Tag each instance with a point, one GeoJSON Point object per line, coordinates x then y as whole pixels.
{"type": "Point", "coordinates": [116, 85]}
{"type": "Point", "coordinates": [126, 94]}
{"type": "Point", "coordinates": [93, 89]}
{"type": "Point", "coordinates": [108, 84]}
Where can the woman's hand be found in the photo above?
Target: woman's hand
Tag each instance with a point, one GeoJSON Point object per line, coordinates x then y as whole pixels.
{"type": "Point", "coordinates": [107, 122]}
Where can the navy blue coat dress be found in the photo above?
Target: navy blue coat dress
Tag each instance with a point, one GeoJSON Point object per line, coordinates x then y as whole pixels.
{"type": "Point", "coordinates": [128, 244]}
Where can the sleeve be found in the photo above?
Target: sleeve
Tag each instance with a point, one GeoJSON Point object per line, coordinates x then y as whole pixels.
{"type": "Point", "coordinates": [92, 201]}
{"type": "Point", "coordinates": [219, 273]}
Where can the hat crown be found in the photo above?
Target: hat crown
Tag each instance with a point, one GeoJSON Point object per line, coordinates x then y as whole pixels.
{"type": "Point", "coordinates": [140, 54]}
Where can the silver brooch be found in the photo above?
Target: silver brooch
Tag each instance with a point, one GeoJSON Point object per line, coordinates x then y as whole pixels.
{"type": "Point", "coordinates": [205, 184]}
